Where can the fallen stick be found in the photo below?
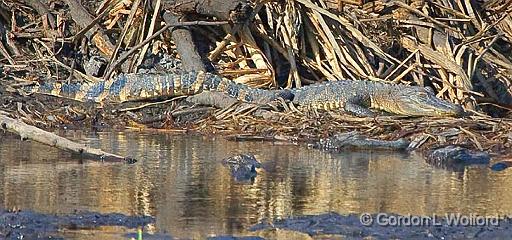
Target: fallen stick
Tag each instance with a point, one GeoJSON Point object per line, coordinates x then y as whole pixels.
{"type": "Point", "coordinates": [27, 132]}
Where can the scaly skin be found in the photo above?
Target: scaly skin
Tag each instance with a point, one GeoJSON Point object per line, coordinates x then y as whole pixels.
{"type": "Point", "coordinates": [358, 97]}
{"type": "Point", "coordinates": [456, 158]}
{"type": "Point", "coordinates": [354, 97]}
{"type": "Point", "coordinates": [243, 167]}
{"type": "Point", "coordinates": [136, 87]}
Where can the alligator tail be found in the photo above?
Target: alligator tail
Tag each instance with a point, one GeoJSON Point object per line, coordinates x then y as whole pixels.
{"type": "Point", "coordinates": [136, 87]}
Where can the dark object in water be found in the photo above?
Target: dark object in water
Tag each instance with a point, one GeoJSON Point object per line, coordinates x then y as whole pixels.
{"type": "Point", "coordinates": [242, 167]}
{"type": "Point", "coordinates": [500, 166]}
{"type": "Point", "coordinates": [456, 158]}
{"type": "Point", "coordinates": [354, 140]}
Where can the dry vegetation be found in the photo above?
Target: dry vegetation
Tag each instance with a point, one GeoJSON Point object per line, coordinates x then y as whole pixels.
{"type": "Point", "coordinates": [462, 49]}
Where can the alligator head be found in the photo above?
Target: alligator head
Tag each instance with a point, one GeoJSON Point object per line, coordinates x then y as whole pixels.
{"type": "Point", "coordinates": [418, 101]}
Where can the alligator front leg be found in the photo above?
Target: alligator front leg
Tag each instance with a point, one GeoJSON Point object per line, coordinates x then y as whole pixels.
{"type": "Point", "coordinates": [358, 110]}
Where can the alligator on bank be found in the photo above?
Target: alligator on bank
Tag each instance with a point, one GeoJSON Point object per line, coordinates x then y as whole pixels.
{"type": "Point", "coordinates": [137, 87]}
{"type": "Point", "coordinates": [359, 97]}
{"type": "Point", "coordinates": [354, 97]}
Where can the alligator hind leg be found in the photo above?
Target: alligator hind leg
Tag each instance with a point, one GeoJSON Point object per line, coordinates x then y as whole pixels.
{"type": "Point", "coordinates": [212, 98]}
{"type": "Point", "coordinates": [358, 110]}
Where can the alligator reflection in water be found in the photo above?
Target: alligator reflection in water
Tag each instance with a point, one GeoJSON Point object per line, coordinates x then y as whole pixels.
{"type": "Point", "coordinates": [181, 181]}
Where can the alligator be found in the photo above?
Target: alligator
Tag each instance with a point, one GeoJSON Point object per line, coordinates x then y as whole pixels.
{"type": "Point", "coordinates": [138, 86]}
{"type": "Point", "coordinates": [352, 96]}
{"type": "Point", "coordinates": [456, 158]}
{"type": "Point", "coordinates": [360, 97]}
{"type": "Point", "coordinates": [242, 167]}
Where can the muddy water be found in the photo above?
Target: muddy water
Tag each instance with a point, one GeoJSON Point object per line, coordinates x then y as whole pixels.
{"type": "Point", "coordinates": [180, 180]}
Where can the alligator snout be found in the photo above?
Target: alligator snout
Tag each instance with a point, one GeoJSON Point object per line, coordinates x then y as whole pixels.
{"type": "Point", "coordinates": [422, 102]}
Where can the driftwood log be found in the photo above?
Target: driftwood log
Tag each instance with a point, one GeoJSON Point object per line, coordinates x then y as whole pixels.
{"type": "Point", "coordinates": [27, 132]}
{"type": "Point", "coordinates": [178, 10]}
{"type": "Point", "coordinates": [185, 46]}
{"type": "Point", "coordinates": [233, 10]}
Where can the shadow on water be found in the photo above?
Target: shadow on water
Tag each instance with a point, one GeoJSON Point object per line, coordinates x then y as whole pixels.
{"type": "Point", "coordinates": [180, 180]}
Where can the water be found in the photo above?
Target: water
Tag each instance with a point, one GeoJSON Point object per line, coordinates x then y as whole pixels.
{"type": "Point", "coordinates": [180, 180]}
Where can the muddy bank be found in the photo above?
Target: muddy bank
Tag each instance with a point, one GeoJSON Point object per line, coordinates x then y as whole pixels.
{"type": "Point", "coordinates": [333, 225]}
{"type": "Point", "coordinates": [31, 225]}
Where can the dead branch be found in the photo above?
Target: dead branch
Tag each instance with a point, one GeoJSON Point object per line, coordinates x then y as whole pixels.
{"type": "Point", "coordinates": [185, 46]}
{"type": "Point", "coordinates": [27, 132]}
{"type": "Point", "coordinates": [233, 10]}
